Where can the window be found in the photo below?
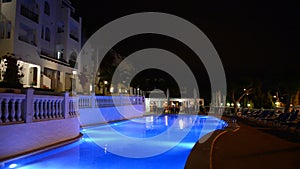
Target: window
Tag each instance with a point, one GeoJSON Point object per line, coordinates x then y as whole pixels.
{"type": "Point", "coordinates": [47, 34]}
{"type": "Point", "coordinates": [42, 33]}
{"type": "Point", "coordinates": [5, 29]}
{"type": "Point", "coordinates": [47, 8]}
{"type": "Point", "coordinates": [27, 34]}
{"type": "Point", "coordinates": [60, 27]}
{"type": "Point", "coordinates": [4, 1]}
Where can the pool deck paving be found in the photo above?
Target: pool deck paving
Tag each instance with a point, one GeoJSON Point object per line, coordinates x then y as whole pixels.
{"type": "Point", "coordinates": [245, 147]}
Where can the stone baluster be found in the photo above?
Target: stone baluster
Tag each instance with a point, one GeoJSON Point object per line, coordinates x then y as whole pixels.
{"type": "Point", "coordinates": [54, 108]}
{"type": "Point", "coordinates": [37, 108]}
{"type": "Point", "coordinates": [60, 112]}
{"type": "Point", "coordinates": [54, 104]}
{"type": "Point", "coordinates": [65, 111]}
{"type": "Point", "coordinates": [6, 112]}
{"type": "Point", "coordinates": [1, 110]}
{"type": "Point", "coordinates": [50, 115]}
{"type": "Point", "coordinates": [46, 110]}
{"type": "Point", "coordinates": [71, 107]}
{"type": "Point", "coordinates": [42, 110]}
{"type": "Point", "coordinates": [13, 110]}
{"type": "Point", "coordinates": [19, 113]}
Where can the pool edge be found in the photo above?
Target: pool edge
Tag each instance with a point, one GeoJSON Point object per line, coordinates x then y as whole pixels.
{"type": "Point", "coordinates": [8, 159]}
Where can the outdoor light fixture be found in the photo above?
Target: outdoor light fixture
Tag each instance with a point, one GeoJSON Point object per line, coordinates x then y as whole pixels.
{"type": "Point", "coordinates": [12, 166]}
{"type": "Point", "coordinates": [111, 90]}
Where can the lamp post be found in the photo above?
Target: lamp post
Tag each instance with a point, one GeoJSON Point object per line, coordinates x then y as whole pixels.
{"type": "Point", "coordinates": [73, 82]}
{"type": "Point", "coordinates": [105, 84]}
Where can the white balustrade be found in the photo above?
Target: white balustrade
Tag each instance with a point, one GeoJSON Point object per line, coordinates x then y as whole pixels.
{"type": "Point", "coordinates": [10, 107]}
{"type": "Point", "coordinates": [73, 107]}
{"type": "Point", "coordinates": [47, 107]}
{"type": "Point", "coordinates": [16, 108]}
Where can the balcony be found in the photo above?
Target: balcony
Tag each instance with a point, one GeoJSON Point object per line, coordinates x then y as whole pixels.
{"type": "Point", "coordinates": [75, 16]}
{"type": "Point", "coordinates": [51, 56]}
{"type": "Point", "coordinates": [27, 40]}
{"type": "Point", "coordinates": [29, 14]}
{"type": "Point", "coordinates": [74, 37]}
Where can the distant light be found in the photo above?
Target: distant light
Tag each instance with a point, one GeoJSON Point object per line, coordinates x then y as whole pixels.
{"type": "Point", "coordinates": [74, 72]}
{"type": "Point", "coordinates": [228, 104]}
{"type": "Point", "coordinates": [12, 166]}
{"type": "Point", "coordinates": [105, 82]}
{"type": "Point", "coordinates": [248, 105]}
{"type": "Point", "coordinates": [244, 89]}
{"type": "Point", "coordinates": [91, 88]}
{"type": "Point", "coordinates": [274, 96]}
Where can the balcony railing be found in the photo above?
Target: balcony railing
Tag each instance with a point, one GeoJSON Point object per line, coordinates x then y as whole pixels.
{"type": "Point", "coordinates": [27, 40]}
{"type": "Point", "coordinates": [74, 37]}
{"type": "Point", "coordinates": [75, 16]}
{"type": "Point", "coordinates": [29, 14]}
{"type": "Point", "coordinates": [53, 57]}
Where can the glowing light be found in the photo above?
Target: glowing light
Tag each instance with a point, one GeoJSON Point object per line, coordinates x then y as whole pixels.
{"type": "Point", "coordinates": [180, 124]}
{"type": "Point", "coordinates": [166, 121]}
{"type": "Point", "coordinates": [105, 82]}
{"type": "Point", "coordinates": [228, 104]}
{"type": "Point", "coordinates": [111, 90]}
{"type": "Point", "coordinates": [12, 166]}
{"type": "Point", "coordinates": [248, 105]}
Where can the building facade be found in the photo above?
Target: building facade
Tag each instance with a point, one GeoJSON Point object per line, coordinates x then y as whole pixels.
{"type": "Point", "coordinates": [46, 37]}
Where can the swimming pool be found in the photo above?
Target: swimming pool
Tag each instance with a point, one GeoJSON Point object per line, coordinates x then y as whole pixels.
{"type": "Point", "coordinates": [163, 141]}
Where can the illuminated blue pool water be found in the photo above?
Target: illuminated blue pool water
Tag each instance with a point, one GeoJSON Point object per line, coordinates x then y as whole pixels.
{"type": "Point", "coordinates": [94, 150]}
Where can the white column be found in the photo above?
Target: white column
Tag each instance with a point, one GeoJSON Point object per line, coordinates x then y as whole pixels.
{"type": "Point", "coordinates": [27, 116]}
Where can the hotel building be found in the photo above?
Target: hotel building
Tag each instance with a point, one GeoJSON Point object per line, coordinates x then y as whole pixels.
{"type": "Point", "coordinates": [46, 37]}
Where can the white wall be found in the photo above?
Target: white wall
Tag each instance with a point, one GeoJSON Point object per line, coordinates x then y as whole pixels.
{"type": "Point", "coordinates": [91, 116]}
{"type": "Point", "coordinates": [20, 138]}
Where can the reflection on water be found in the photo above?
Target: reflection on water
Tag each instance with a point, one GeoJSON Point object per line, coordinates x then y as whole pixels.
{"type": "Point", "coordinates": [86, 154]}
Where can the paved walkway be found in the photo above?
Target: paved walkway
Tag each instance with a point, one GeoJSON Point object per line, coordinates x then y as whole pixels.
{"type": "Point", "coordinates": [247, 148]}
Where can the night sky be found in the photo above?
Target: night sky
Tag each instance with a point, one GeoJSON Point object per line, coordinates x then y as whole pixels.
{"type": "Point", "coordinates": [254, 40]}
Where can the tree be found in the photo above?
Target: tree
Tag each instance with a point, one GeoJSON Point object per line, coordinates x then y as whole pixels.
{"type": "Point", "coordinates": [13, 71]}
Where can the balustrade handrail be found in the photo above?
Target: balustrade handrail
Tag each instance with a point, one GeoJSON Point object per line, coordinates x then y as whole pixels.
{"type": "Point", "coordinates": [30, 107]}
